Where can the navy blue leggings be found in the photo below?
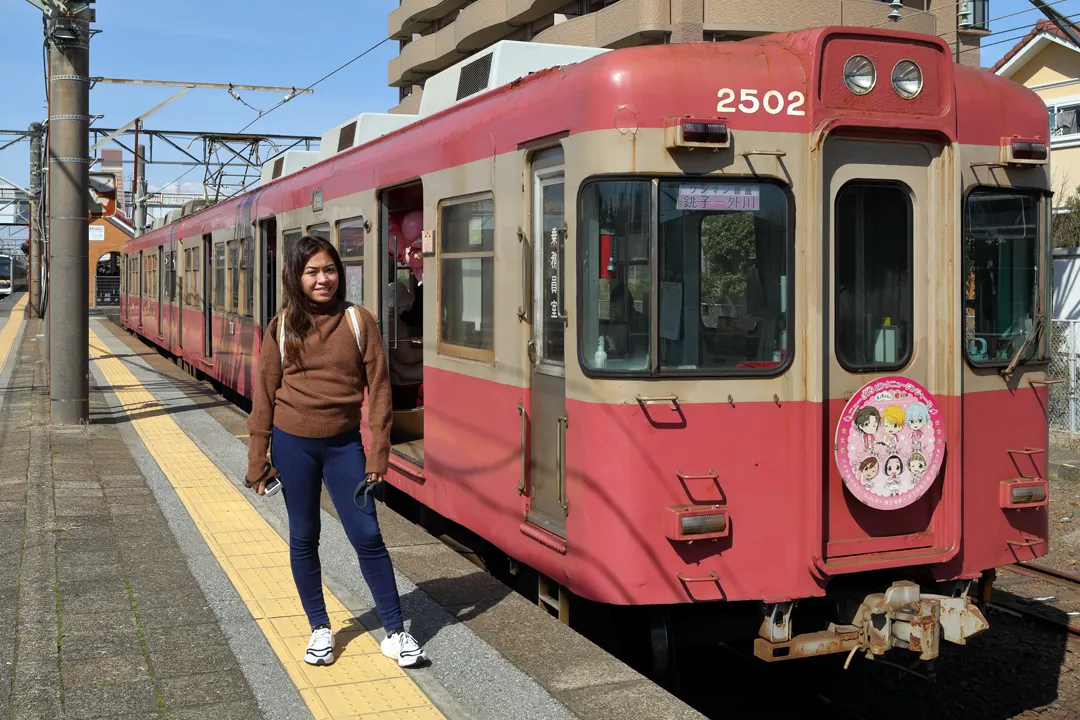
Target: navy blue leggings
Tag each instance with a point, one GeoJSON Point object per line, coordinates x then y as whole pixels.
{"type": "Point", "coordinates": [339, 462]}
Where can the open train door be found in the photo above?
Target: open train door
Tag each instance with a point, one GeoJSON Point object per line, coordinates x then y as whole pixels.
{"type": "Point", "coordinates": [891, 376]}
{"type": "Point", "coordinates": [268, 276]}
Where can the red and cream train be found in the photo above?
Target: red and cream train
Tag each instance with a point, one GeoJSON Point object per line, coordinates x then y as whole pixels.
{"type": "Point", "coordinates": [701, 323]}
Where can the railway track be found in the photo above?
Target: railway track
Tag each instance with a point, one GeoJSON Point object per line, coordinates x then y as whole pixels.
{"type": "Point", "coordinates": [1038, 609]}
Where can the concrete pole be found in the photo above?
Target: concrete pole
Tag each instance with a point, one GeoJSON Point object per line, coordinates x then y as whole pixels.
{"type": "Point", "coordinates": [140, 191]}
{"type": "Point", "coordinates": [69, 164]}
{"type": "Point", "coordinates": [34, 278]}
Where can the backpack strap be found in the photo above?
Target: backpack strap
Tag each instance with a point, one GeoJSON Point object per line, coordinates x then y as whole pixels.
{"type": "Point", "coordinates": [281, 336]}
{"type": "Point", "coordinates": [354, 325]}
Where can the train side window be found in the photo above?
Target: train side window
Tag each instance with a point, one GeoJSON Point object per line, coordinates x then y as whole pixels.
{"type": "Point", "coordinates": [247, 265]}
{"type": "Point", "coordinates": [874, 283]}
{"type": "Point", "coordinates": [467, 278]}
{"type": "Point", "coordinates": [290, 238]}
{"type": "Point", "coordinates": [187, 277]}
{"type": "Point", "coordinates": [234, 276]}
{"type": "Point", "coordinates": [1001, 276]}
{"type": "Point", "coordinates": [196, 273]}
{"type": "Point", "coordinates": [170, 275]}
{"type": "Point", "coordinates": [219, 276]}
{"type": "Point", "coordinates": [616, 227]}
{"type": "Point", "coordinates": [350, 244]}
{"type": "Point", "coordinates": [321, 231]}
{"type": "Point", "coordinates": [723, 250]}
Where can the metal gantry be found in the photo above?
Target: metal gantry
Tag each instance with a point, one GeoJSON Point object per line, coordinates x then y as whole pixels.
{"type": "Point", "coordinates": [232, 162]}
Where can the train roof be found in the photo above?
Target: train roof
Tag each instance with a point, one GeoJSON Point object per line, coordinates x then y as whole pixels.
{"type": "Point", "coordinates": [643, 87]}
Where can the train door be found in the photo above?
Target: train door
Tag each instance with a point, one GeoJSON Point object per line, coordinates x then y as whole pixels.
{"type": "Point", "coordinates": [179, 288]}
{"type": "Point", "coordinates": [142, 288]}
{"type": "Point", "coordinates": [268, 254]}
{"type": "Point", "coordinates": [171, 294]}
{"type": "Point", "coordinates": [401, 314]}
{"type": "Point", "coordinates": [162, 259]}
{"type": "Point", "coordinates": [208, 297]}
{"type": "Point", "coordinates": [889, 310]}
{"type": "Point", "coordinates": [548, 418]}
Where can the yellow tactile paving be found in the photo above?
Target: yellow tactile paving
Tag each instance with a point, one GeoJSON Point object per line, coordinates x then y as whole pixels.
{"type": "Point", "coordinates": [11, 329]}
{"type": "Point", "coordinates": [362, 683]}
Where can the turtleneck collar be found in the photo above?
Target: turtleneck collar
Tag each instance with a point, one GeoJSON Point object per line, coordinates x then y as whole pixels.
{"type": "Point", "coordinates": [331, 308]}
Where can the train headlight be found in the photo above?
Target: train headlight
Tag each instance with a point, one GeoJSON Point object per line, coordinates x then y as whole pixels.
{"type": "Point", "coordinates": [860, 75]}
{"type": "Point", "coordinates": [907, 79]}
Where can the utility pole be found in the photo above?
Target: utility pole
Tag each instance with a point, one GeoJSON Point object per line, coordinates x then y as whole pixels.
{"type": "Point", "coordinates": [69, 165]}
{"type": "Point", "coordinates": [140, 190]}
{"type": "Point", "coordinates": [34, 279]}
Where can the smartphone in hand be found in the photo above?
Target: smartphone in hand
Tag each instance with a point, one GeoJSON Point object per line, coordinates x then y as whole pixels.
{"type": "Point", "coordinates": [273, 486]}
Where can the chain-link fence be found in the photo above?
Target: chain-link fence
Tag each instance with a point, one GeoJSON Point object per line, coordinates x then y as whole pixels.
{"type": "Point", "coordinates": [1065, 366]}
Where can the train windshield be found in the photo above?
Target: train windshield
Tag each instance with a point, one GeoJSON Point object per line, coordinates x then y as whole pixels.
{"type": "Point", "coordinates": [5, 268]}
{"type": "Point", "coordinates": [716, 264]}
{"type": "Point", "coordinates": [1001, 275]}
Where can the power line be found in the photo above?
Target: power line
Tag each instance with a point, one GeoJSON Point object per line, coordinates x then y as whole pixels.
{"type": "Point", "coordinates": [420, 18]}
{"type": "Point", "coordinates": [921, 12]}
{"type": "Point", "coordinates": [1003, 17]}
{"type": "Point", "coordinates": [1025, 28]}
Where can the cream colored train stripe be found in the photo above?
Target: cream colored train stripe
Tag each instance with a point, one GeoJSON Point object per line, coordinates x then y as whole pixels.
{"type": "Point", "coordinates": [11, 329]}
{"type": "Point", "coordinates": [362, 683]}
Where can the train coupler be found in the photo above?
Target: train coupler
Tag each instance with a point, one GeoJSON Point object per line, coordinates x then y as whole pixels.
{"type": "Point", "coordinates": [901, 617]}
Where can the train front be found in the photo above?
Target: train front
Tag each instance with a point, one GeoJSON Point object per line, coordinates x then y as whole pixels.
{"type": "Point", "coordinates": [811, 275]}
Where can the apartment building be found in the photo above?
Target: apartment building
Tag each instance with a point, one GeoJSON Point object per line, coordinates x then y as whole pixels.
{"type": "Point", "coordinates": [435, 34]}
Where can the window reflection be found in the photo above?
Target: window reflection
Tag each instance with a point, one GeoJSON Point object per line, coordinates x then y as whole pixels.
{"type": "Point", "coordinates": [1001, 275]}
{"type": "Point", "coordinates": [873, 277]}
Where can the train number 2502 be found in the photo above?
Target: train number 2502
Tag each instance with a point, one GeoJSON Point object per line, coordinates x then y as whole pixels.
{"type": "Point", "coordinates": [773, 102]}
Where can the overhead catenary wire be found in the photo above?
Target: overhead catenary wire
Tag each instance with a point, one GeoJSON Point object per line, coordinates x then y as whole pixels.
{"type": "Point", "coordinates": [429, 15]}
{"type": "Point", "coordinates": [1004, 17]}
{"type": "Point", "coordinates": [1025, 28]}
{"type": "Point", "coordinates": [290, 96]}
{"type": "Point", "coordinates": [955, 6]}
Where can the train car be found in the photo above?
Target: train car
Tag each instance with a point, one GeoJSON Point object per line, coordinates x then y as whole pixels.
{"type": "Point", "coordinates": [715, 330]}
{"type": "Point", "coordinates": [12, 274]}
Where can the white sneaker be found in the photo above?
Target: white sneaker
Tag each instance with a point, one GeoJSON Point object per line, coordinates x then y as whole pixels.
{"type": "Point", "coordinates": [320, 649]}
{"type": "Point", "coordinates": [402, 646]}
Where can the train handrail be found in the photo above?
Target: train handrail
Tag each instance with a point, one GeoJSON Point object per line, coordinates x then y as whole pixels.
{"type": "Point", "coordinates": [524, 421]}
{"type": "Point", "coordinates": [523, 309]}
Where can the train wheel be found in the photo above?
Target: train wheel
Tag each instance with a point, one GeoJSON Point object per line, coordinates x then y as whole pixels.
{"type": "Point", "coordinates": [660, 645]}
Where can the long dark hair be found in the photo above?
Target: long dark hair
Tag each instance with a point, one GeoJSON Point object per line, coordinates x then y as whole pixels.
{"type": "Point", "coordinates": [298, 310]}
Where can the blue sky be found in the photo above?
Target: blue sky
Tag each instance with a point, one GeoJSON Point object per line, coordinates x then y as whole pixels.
{"type": "Point", "coordinates": [270, 42]}
{"type": "Point", "coordinates": [255, 42]}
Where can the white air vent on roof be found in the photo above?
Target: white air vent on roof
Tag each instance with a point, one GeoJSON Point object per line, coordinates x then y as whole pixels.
{"type": "Point", "coordinates": [499, 65]}
{"type": "Point", "coordinates": [159, 222]}
{"type": "Point", "coordinates": [173, 216]}
{"type": "Point", "coordinates": [193, 206]}
{"type": "Point", "coordinates": [287, 163]}
{"type": "Point", "coordinates": [361, 129]}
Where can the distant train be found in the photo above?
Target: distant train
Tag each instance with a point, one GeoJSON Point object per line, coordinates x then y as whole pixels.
{"type": "Point", "coordinates": [12, 274]}
{"type": "Point", "coordinates": [713, 328]}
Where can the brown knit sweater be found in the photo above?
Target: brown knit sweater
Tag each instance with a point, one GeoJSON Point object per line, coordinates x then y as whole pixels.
{"type": "Point", "coordinates": [322, 395]}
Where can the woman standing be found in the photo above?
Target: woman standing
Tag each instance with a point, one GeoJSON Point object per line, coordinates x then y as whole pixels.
{"type": "Point", "coordinates": [318, 356]}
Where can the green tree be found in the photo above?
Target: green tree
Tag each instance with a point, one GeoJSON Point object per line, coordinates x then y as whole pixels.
{"type": "Point", "coordinates": [728, 253]}
{"type": "Point", "coordinates": [1065, 226]}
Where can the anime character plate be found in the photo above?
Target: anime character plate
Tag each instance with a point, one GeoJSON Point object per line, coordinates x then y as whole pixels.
{"type": "Point", "coordinates": [890, 443]}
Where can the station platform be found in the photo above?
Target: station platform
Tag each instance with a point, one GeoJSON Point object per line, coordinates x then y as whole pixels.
{"type": "Point", "coordinates": [139, 579]}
